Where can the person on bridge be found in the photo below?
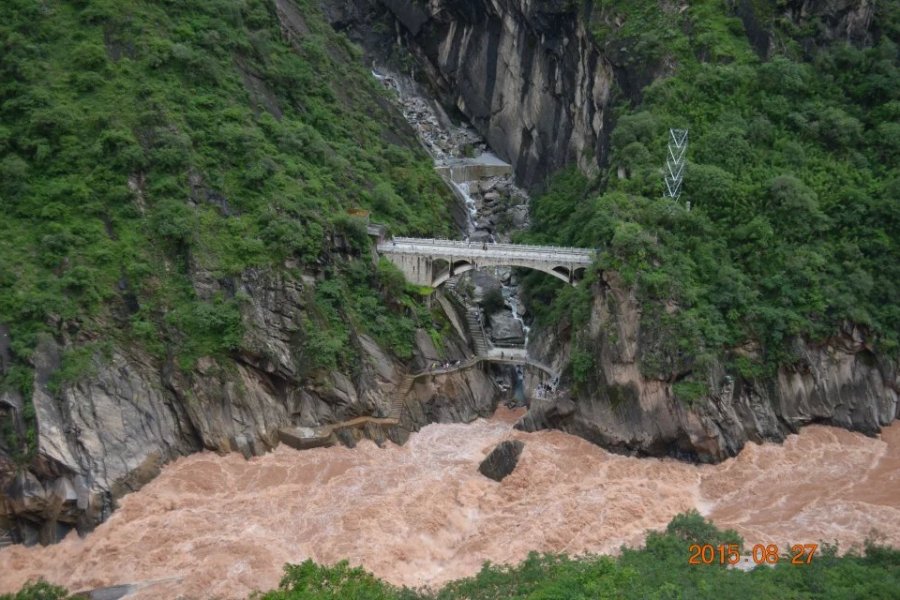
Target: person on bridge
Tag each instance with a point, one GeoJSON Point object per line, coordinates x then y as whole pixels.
{"type": "Point", "coordinates": [484, 246]}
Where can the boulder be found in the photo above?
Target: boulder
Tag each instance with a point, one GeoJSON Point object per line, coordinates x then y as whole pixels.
{"type": "Point", "coordinates": [483, 283]}
{"type": "Point", "coordinates": [504, 328]}
{"type": "Point", "coordinates": [519, 217]}
{"type": "Point", "coordinates": [502, 460]}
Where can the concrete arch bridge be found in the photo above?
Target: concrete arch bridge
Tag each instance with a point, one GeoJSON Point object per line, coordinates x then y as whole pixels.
{"type": "Point", "coordinates": [432, 262]}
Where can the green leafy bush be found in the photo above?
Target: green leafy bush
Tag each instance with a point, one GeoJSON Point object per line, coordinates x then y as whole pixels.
{"type": "Point", "coordinates": [38, 590]}
{"type": "Point", "coordinates": [793, 224]}
{"type": "Point", "coordinates": [146, 145]}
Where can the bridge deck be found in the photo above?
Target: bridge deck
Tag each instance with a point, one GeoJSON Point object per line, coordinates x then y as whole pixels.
{"type": "Point", "coordinates": [475, 250]}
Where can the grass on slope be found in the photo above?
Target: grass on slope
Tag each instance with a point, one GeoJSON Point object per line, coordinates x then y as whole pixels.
{"type": "Point", "coordinates": [150, 151]}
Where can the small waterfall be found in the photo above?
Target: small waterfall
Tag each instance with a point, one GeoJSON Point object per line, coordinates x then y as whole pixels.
{"type": "Point", "coordinates": [514, 308]}
{"type": "Point", "coordinates": [519, 393]}
{"type": "Point", "coordinates": [463, 188]}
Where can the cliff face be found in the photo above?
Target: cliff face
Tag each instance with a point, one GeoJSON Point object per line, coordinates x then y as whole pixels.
{"type": "Point", "coordinates": [828, 21]}
{"type": "Point", "coordinates": [526, 74]}
{"type": "Point", "coordinates": [111, 432]}
{"type": "Point", "coordinates": [128, 412]}
{"type": "Point", "coordinates": [539, 85]}
{"type": "Point", "coordinates": [842, 383]}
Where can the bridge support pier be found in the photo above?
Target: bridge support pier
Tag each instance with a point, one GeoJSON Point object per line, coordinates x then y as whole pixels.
{"type": "Point", "coordinates": [416, 269]}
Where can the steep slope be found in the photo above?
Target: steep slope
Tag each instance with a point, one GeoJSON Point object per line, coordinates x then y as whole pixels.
{"type": "Point", "coordinates": [527, 74]}
{"type": "Point", "coordinates": [177, 270]}
{"type": "Point", "coordinates": [772, 302]}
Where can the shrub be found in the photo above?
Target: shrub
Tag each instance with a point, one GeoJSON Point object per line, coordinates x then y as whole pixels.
{"type": "Point", "coordinates": [38, 590]}
{"type": "Point", "coordinates": [493, 302]}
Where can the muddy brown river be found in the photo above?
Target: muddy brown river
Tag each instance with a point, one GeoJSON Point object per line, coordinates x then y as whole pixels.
{"type": "Point", "coordinates": [221, 526]}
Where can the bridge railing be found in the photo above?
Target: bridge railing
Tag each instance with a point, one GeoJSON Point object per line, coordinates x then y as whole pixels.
{"type": "Point", "coordinates": [542, 253]}
{"type": "Point", "coordinates": [495, 246]}
{"type": "Point", "coordinates": [501, 246]}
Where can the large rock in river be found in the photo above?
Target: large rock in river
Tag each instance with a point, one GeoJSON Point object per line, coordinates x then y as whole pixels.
{"type": "Point", "coordinates": [502, 460]}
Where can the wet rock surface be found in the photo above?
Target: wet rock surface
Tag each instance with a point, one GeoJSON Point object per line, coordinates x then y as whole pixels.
{"type": "Point", "coordinates": [483, 182]}
{"type": "Point", "coordinates": [110, 433]}
{"type": "Point", "coordinates": [502, 460]}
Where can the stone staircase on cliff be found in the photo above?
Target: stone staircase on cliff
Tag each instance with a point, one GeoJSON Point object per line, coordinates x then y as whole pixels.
{"type": "Point", "coordinates": [398, 400]}
{"type": "Point", "coordinates": [479, 337]}
{"type": "Point", "coordinates": [473, 322]}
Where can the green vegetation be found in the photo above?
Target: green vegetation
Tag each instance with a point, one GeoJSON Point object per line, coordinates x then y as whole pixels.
{"type": "Point", "coordinates": [689, 391]}
{"type": "Point", "coordinates": [356, 296]}
{"type": "Point", "coordinates": [493, 302]}
{"type": "Point", "coordinates": [150, 151]}
{"type": "Point", "coordinates": [658, 571]}
{"type": "Point", "coordinates": [38, 590]}
{"type": "Point", "coordinates": [793, 181]}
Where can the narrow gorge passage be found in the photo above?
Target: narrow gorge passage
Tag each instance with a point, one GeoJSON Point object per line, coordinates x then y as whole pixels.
{"type": "Point", "coordinates": [494, 209]}
{"type": "Point", "coordinates": [488, 299]}
{"type": "Point", "coordinates": [422, 514]}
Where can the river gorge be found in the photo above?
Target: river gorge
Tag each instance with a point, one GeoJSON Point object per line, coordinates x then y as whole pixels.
{"type": "Point", "coordinates": [421, 514]}
{"type": "Point", "coordinates": [233, 336]}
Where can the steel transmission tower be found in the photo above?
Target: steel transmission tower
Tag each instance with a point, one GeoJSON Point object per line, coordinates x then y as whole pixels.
{"type": "Point", "coordinates": [678, 142]}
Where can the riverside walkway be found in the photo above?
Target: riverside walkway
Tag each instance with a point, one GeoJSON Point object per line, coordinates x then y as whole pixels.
{"type": "Point", "coordinates": [432, 262]}
{"type": "Point", "coordinates": [310, 437]}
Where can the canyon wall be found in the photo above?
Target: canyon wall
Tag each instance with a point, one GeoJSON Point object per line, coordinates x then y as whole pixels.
{"type": "Point", "coordinates": [540, 86]}
{"type": "Point", "coordinates": [629, 406]}
{"type": "Point", "coordinates": [529, 76]}
{"type": "Point", "coordinates": [525, 73]}
{"type": "Point", "coordinates": [110, 432]}
{"type": "Point", "coordinates": [536, 81]}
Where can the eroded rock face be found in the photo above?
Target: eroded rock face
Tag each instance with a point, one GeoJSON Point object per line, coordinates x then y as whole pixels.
{"type": "Point", "coordinates": [111, 432]}
{"type": "Point", "coordinates": [845, 20]}
{"type": "Point", "coordinates": [841, 383]}
{"type": "Point", "coordinates": [502, 460]}
{"type": "Point", "coordinates": [483, 283]}
{"type": "Point", "coordinates": [525, 72]}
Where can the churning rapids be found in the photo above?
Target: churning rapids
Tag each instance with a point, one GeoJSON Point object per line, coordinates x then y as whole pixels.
{"type": "Point", "coordinates": [220, 526]}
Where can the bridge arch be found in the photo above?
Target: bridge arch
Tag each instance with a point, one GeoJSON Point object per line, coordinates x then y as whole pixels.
{"type": "Point", "coordinates": [432, 262]}
{"type": "Point", "coordinates": [443, 271]}
{"type": "Point", "coordinates": [443, 275]}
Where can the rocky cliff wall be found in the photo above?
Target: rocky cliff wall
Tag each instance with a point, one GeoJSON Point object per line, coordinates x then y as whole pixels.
{"type": "Point", "coordinates": [129, 413]}
{"type": "Point", "coordinates": [111, 432]}
{"type": "Point", "coordinates": [539, 85]}
{"type": "Point", "coordinates": [524, 72]}
{"type": "Point", "coordinates": [842, 382]}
